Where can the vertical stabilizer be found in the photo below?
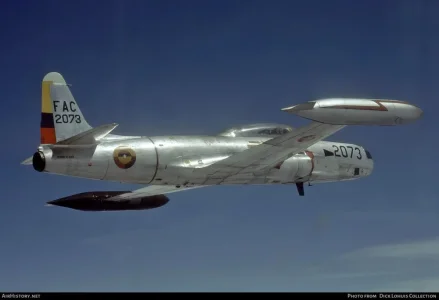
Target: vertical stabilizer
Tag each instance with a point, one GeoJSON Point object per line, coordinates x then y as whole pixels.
{"type": "Point", "coordinates": [61, 117]}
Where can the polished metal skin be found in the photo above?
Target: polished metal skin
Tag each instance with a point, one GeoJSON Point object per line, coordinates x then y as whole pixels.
{"type": "Point", "coordinates": [170, 161]}
{"type": "Point", "coordinates": [269, 130]}
{"type": "Point", "coordinates": [250, 154]}
{"type": "Point", "coordinates": [350, 111]}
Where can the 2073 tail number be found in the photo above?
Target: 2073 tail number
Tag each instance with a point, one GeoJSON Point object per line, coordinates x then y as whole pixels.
{"type": "Point", "coordinates": [347, 151]}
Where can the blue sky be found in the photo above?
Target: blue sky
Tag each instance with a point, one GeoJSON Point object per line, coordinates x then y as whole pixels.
{"type": "Point", "coordinates": [199, 67]}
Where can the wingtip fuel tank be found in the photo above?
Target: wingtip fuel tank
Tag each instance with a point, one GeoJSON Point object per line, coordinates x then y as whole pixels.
{"type": "Point", "coordinates": [99, 201]}
{"type": "Point", "coordinates": [352, 111]}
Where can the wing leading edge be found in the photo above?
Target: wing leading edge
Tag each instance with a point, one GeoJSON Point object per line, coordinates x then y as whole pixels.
{"type": "Point", "coordinates": [260, 159]}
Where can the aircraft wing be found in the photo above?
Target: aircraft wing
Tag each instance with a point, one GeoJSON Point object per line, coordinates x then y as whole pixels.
{"type": "Point", "coordinates": [259, 159]}
{"type": "Point", "coordinates": [152, 190]}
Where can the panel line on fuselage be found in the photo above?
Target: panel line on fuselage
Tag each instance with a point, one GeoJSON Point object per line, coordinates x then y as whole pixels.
{"type": "Point", "coordinates": [174, 159]}
{"type": "Point", "coordinates": [157, 160]}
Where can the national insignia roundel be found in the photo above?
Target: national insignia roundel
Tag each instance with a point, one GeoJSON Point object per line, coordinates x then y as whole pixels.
{"type": "Point", "coordinates": [124, 157]}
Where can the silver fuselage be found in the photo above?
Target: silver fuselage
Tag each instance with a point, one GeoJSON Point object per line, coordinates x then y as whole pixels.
{"type": "Point", "coordinates": [170, 160]}
{"type": "Point", "coordinates": [260, 153]}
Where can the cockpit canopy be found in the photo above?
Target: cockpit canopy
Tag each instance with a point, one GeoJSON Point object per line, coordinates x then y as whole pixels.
{"type": "Point", "coordinates": [260, 129]}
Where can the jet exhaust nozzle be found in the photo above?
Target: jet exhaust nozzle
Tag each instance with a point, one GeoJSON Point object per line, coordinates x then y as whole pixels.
{"type": "Point", "coordinates": [99, 201]}
{"type": "Point", "coordinates": [39, 161]}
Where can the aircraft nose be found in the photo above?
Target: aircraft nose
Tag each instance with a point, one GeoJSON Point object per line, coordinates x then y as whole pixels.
{"type": "Point", "coordinates": [370, 163]}
{"type": "Point", "coordinates": [368, 155]}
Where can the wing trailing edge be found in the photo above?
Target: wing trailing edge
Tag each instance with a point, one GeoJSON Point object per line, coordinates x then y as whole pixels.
{"type": "Point", "coordinates": [153, 190]}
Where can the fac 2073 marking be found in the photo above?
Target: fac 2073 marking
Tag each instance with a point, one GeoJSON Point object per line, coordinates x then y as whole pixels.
{"type": "Point", "coordinates": [68, 112]}
{"type": "Point", "coordinates": [70, 118]}
{"type": "Point", "coordinates": [347, 151]}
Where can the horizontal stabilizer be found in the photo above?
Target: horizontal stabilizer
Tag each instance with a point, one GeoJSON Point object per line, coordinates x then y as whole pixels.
{"type": "Point", "coordinates": [89, 137]}
{"type": "Point", "coordinates": [27, 161]}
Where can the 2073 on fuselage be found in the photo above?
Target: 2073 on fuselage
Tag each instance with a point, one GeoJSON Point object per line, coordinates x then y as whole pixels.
{"type": "Point", "coordinates": [265, 153]}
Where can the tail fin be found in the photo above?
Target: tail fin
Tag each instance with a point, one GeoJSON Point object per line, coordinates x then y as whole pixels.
{"type": "Point", "coordinates": [61, 117]}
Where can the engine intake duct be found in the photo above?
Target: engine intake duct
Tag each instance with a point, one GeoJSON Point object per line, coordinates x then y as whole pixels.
{"type": "Point", "coordinates": [99, 201]}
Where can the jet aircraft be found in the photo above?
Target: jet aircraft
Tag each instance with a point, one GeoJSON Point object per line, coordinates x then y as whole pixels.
{"type": "Point", "coordinates": [252, 154]}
